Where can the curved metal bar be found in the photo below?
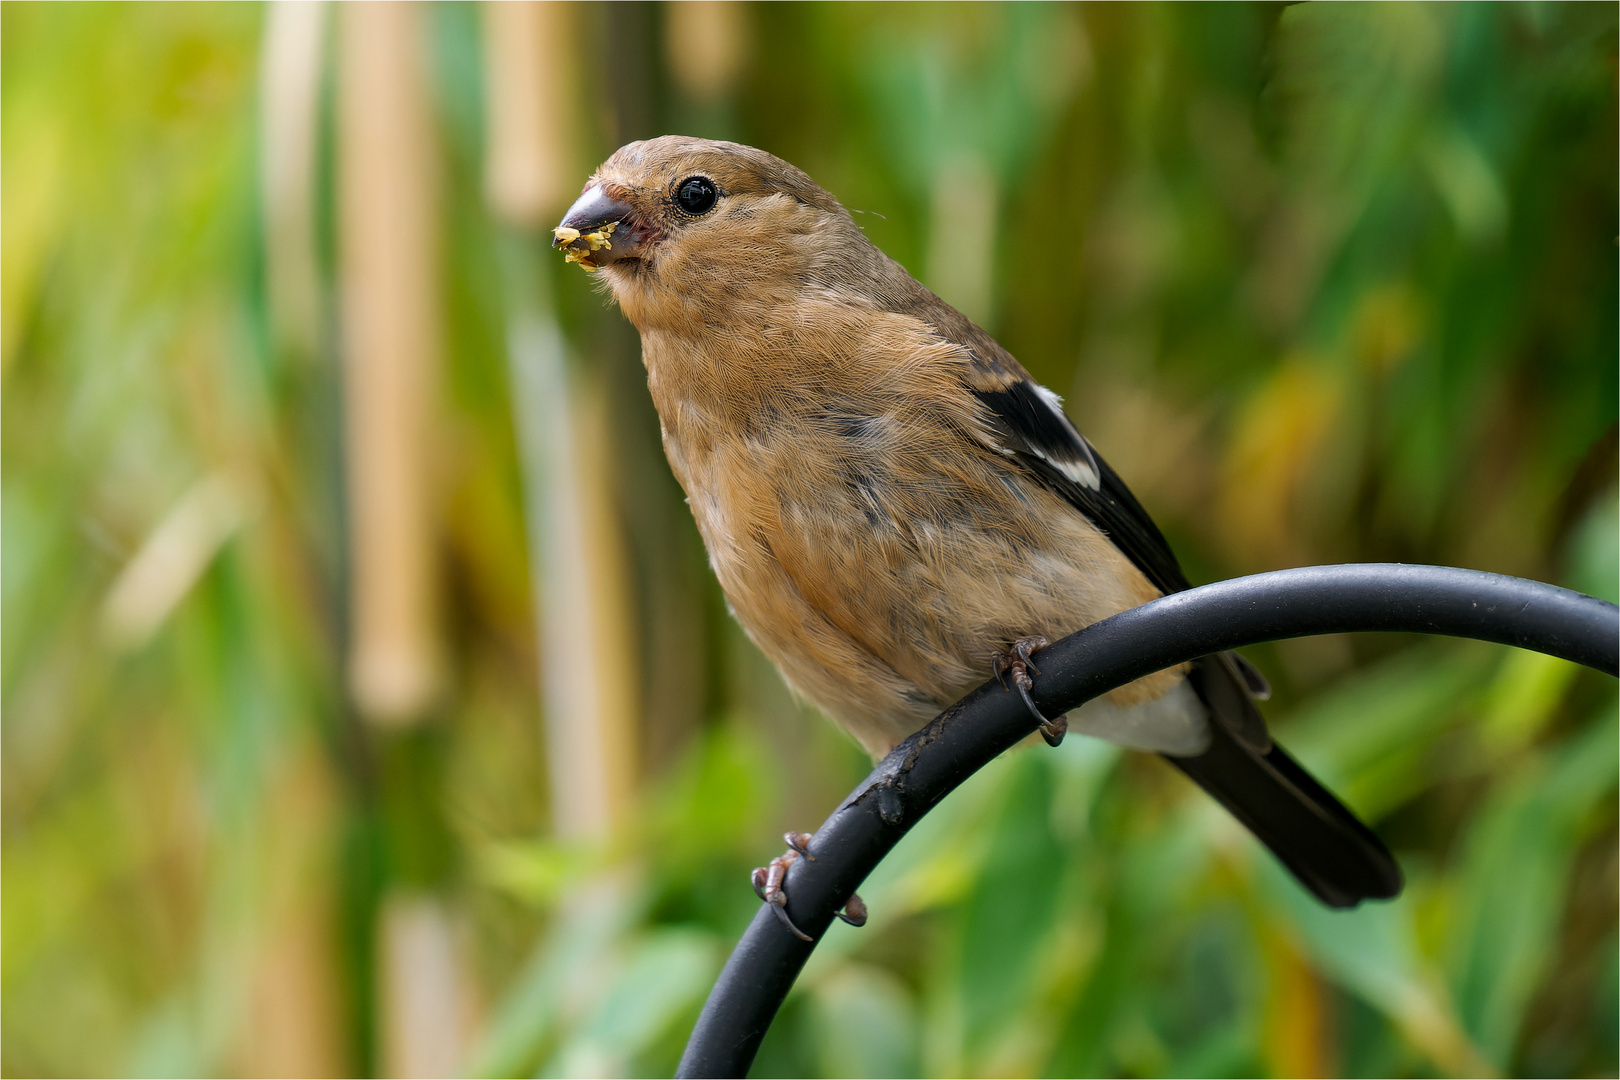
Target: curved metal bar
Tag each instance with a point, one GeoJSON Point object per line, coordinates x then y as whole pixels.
{"type": "Point", "coordinates": [925, 768]}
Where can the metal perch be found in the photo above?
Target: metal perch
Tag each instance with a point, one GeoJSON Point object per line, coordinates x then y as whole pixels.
{"type": "Point", "coordinates": [929, 765]}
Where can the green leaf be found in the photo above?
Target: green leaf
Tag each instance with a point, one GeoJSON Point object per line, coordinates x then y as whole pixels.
{"type": "Point", "coordinates": [1008, 913]}
{"type": "Point", "coordinates": [864, 1023]}
{"type": "Point", "coordinates": [1368, 736]}
{"type": "Point", "coordinates": [1513, 879]}
{"type": "Point", "coordinates": [666, 977]}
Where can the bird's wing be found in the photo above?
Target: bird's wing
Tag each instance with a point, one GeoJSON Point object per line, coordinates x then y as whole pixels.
{"type": "Point", "coordinates": [1314, 835]}
{"type": "Point", "coordinates": [1027, 424]}
{"type": "Point", "coordinates": [1032, 428]}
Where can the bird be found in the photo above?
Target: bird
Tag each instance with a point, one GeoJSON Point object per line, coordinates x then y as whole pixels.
{"type": "Point", "coordinates": [894, 508]}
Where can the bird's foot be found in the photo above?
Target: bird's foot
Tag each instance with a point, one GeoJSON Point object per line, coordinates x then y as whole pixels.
{"type": "Point", "coordinates": [769, 879]}
{"type": "Point", "coordinates": [1015, 663]}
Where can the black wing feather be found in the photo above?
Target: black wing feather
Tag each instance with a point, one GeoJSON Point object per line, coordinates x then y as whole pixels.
{"type": "Point", "coordinates": [1044, 439]}
{"type": "Point", "coordinates": [1325, 845]}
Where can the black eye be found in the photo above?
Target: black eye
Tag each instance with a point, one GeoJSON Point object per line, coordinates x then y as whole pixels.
{"type": "Point", "coordinates": [697, 195]}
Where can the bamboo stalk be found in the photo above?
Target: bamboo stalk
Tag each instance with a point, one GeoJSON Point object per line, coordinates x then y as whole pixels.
{"type": "Point", "coordinates": [425, 991]}
{"type": "Point", "coordinates": [289, 92]}
{"type": "Point", "coordinates": [705, 44]}
{"type": "Point", "coordinates": [291, 975]}
{"type": "Point", "coordinates": [529, 167]}
{"type": "Point", "coordinates": [576, 546]}
{"type": "Point", "coordinates": [392, 338]}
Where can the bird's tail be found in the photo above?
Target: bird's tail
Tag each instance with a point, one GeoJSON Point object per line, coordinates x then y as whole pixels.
{"type": "Point", "coordinates": [1323, 844]}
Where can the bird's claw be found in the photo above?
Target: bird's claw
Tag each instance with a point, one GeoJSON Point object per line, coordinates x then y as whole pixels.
{"type": "Point", "coordinates": [768, 881]}
{"type": "Point", "coordinates": [1054, 730]}
{"type": "Point", "coordinates": [1015, 661]}
{"type": "Point", "coordinates": [853, 911]}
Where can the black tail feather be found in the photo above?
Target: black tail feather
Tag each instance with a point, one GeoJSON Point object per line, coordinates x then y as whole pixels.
{"type": "Point", "coordinates": [1323, 844]}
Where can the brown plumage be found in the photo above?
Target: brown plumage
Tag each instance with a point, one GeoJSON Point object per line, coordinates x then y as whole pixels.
{"type": "Point", "coordinates": [888, 500]}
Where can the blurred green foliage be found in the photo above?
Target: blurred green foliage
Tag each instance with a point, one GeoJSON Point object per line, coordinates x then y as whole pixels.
{"type": "Point", "coordinates": [1324, 282]}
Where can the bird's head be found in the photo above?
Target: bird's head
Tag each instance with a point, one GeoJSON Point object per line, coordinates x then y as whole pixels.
{"type": "Point", "coordinates": [684, 227]}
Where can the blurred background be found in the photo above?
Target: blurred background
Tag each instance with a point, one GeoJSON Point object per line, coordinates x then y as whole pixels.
{"type": "Point", "coordinates": [369, 707]}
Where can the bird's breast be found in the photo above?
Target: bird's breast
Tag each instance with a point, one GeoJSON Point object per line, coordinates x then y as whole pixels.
{"type": "Point", "coordinates": [874, 521]}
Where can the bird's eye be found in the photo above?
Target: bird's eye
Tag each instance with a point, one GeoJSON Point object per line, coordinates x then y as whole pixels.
{"type": "Point", "coordinates": [696, 195]}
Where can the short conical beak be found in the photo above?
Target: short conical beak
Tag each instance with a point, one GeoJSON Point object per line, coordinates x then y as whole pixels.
{"type": "Point", "coordinates": [595, 232]}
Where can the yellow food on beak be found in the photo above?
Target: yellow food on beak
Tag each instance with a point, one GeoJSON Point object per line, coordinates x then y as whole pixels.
{"type": "Point", "coordinates": [595, 241]}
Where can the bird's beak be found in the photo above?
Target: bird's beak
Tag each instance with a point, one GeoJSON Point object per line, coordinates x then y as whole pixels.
{"type": "Point", "coordinates": [596, 230]}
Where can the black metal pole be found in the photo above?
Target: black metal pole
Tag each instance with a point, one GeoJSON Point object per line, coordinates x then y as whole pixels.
{"type": "Point", "coordinates": [929, 765]}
